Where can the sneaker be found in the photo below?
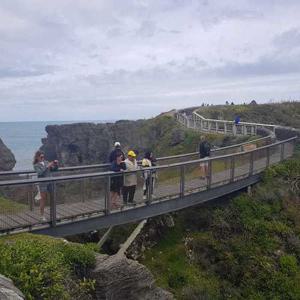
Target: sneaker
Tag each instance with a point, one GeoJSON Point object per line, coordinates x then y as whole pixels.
{"type": "Point", "coordinates": [144, 197]}
{"type": "Point", "coordinates": [43, 218]}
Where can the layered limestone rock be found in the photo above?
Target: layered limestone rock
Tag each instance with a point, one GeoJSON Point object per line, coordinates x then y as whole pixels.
{"type": "Point", "coordinates": [120, 278]}
{"type": "Point", "coordinates": [8, 291]}
{"type": "Point", "coordinates": [89, 143]}
{"type": "Point", "coordinates": [7, 159]}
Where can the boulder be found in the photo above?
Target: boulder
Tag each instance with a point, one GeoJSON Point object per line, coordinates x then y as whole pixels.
{"type": "Point", "coordinates": [7, 159]}
{"type": "Point", "coordinates": [8, 291]}
{"type": "Point", "coordinates": [118, 277]}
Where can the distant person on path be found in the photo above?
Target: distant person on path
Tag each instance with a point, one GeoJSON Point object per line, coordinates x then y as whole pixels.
{"type": "Point", "coordinates": [204, 153]}
{"type": "Point", "coordinates": [130, 180]}
{"type": "Point", "coordinates": [43, 168]}
{"type": "Point", "coordinates": [114, 153]}
{"type": "Point", "coordinates": [237, 120]}
{"type": "Point", "coordinates": [148, 161]}
{"type": "Point", "coordinates": [117, 182]}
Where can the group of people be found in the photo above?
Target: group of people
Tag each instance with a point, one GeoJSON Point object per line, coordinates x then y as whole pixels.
{"type": "Point", "coordinates": [121, 185]}
{"type": "Point", "coordinates": [126, 185]}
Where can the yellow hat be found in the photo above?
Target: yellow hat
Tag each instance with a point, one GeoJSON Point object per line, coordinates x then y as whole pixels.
{"type": "Point", "coordinates": [131, 153]}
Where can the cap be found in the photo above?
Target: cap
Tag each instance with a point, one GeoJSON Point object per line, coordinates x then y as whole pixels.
{"type": "Point", "coordinates": [117, 144]}
{"type": "Point", "coordinates": [131, 153]}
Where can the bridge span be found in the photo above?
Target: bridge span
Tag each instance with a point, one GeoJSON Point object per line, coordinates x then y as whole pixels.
{"type": "Point", "coordinates": [80, 200]}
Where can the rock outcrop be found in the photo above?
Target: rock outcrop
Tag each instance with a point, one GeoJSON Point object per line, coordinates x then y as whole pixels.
{"type": "Point", "coordinates": [7, 159]}
{"type": "Point", "coordinates": [8, 291]}
{"type": "Point", "coordinates": [89, 143]}
{"type": "Point", "coordinates": [118, 277]}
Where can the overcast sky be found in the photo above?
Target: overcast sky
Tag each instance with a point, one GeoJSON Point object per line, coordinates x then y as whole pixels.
{"type": "Point", "coordinates": [93, 60]}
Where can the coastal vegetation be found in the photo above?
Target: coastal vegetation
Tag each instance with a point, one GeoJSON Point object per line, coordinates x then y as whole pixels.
{"type": "Point", "coordinates": [285, 113]}
{"type": "Point", "coordinates": [47, 268]}
{"type": "Point", "coordinates": [247, 247]}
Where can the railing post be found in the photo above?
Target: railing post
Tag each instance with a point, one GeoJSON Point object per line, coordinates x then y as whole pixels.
{"type": "Point", "coordinates": [225, 127]}
{"type": "Point", "coordinates": [268, 157]}
{"type": "Point", "coordinates": [282, 152]}
{"type": "Point", "coordinates": [209, 176]}
{"type": "Point", "coordinates": [251, 163]}
{"type": "Point", "coordinates": [82, 190]}
{"type": "Point", "coordinates": [217, 126]}
{"type": "Point", "coordinates": [30, 195]}
{"type": "Point", "coordinates": [234, 129]}
{"type": "Point", "coordinates": [107, 196]}
{"type": "Point", "coordinates": [53, 204]}
{"type": "Point", "coordinates": [182, 181]}
{"type": "Point", "coordinates": [149, 191]}
{"type": "Point", "coordinates": [232, 165]}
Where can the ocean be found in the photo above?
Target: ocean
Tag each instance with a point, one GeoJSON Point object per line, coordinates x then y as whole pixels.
{"type": "Point", "coordinates": [24, 138]}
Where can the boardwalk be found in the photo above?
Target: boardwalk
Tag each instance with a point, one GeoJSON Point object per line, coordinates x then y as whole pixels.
{"type": "Point", "coordinates": [177, 185]}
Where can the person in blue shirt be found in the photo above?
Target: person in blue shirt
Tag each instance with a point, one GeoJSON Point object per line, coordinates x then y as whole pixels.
{"type": "Point", "coordinates": [237, 120]}
{"type": "Point", "coordinates": [117, 182]}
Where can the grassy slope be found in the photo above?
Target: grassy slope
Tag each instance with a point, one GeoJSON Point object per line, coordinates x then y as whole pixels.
{"type": "Point", "coordinates": [47, 268]}
{"type": "Point", "coordinates": [249, 249]}
{"type": "Point", "coordinates": [286, 113]}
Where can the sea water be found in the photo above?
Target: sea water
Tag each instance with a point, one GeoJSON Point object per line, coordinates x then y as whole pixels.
{"type": "Point", "coordinates": [24, 138]}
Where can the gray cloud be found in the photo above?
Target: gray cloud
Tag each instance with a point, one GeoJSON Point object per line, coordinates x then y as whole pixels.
{"type": "Point", "coordinates": [96, 56]}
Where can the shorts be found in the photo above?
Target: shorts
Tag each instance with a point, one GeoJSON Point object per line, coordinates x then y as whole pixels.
{"type": "Point", "coordinates": [116, 187]}
{"type": "Point", "coordinates": [204, 163]}
{"type": "Point", "coordinates": [45, 187]}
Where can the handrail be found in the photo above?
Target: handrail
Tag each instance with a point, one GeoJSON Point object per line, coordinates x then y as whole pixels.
{"type": "Point", "coordinates": [105, 165]}
{"type": "Point", "coordinates": [110, 173]}
{"type": "Point", "coordinates": [232, 122]}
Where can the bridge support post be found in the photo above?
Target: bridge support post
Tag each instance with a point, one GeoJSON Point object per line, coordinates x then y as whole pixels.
{"type": "Point", "coordinates": [182, 181]}
{"type": "Point", "coordinates": [53, 204]}
{"type": "Point", "coordinates": [249, 190]}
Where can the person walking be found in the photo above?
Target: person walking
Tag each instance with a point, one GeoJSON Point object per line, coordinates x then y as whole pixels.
{"type": "Point", "coordinates": [130, 180]}
{"type": "Point", "coordinates": [204, 153]}
{"type": "Point", "coordinates": [43, 168]}
{"type": "Point", "coordinates": [147, 162]}
{"type": "Point", "coordinates": [117, 181]}
{"type": "Point", "coordinates": [114, 153]}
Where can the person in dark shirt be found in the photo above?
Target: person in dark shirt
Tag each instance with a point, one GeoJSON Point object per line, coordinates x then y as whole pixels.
{"type": "Point", "coordinates": [204, 153]}
{"type": "Point", "coordinates": [114, 153]}
{"type": "Point", "coordinates": [117, 181]}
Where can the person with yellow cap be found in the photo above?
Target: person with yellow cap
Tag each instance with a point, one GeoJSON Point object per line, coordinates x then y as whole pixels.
{"type": "Point", "coordinates": [130, 180]}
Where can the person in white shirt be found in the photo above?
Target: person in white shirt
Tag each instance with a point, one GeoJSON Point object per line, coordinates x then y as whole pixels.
{"type": "Point", "coordinates": [130, 180]}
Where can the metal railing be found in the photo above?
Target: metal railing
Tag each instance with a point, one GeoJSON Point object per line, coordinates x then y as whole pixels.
{"type": "Point", "coordinates": [161, 160]}
{"type": "Point", "coordinates": [196, 121]}
{"type": "Point", "coordinates": [79, 196]}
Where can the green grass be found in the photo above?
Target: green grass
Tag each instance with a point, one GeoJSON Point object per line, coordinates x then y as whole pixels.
{"type": "Point", "coordinates": [10, 206]}
{"type": "Point", "coordinates": [170, 265]}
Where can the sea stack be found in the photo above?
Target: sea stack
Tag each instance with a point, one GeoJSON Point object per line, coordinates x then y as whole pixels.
{"type": "Point", "coordinates": [7, 159]}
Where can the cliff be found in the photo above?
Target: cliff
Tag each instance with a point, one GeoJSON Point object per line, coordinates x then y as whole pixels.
{"type": "Point", "coordinates": [88, 143]}
{"type": "Point", "coordinates": [7, 159]}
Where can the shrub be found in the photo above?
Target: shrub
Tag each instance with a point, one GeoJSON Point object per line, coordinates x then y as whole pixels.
{"type": "Point", "coordinates": [44, 267]}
